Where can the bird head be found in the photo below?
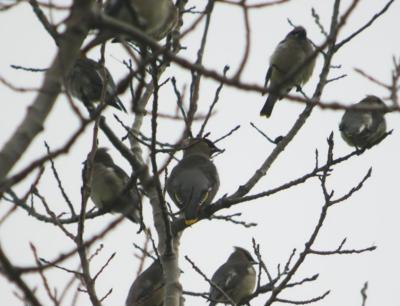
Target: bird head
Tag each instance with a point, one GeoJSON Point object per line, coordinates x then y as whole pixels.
{"type": "Point", "coordinates": [298, 33]}
{"type": "Point", "coordinates": [200, 146]}
{"type": "Point", "coordinates": [101, 156]}
{"type": "Point", "coordinates": [373, 100]}
{"type": "Point", "coordinates": [242, 255]}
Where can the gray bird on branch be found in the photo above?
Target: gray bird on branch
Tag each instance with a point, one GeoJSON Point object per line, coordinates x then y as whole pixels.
{"type": "Point", "coordinates": [156, 18]}
{"type": "Point", "coordinates": [110, 188]}
{"type": "Point", "coordinates": [289, 56]}
{"type": "Point", "coordinates": [148, 287]}
{"type": "Point", "coordinates": [364, 128]}
{"type": "Point", "coordinates": [194, 181]}
{"type": "Point", "coordinates": [90, 81]}
{"type": "Point", "coordinates": [236, 277]}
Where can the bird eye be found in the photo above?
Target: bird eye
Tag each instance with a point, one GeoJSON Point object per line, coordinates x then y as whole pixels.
{"type": "Point", "coordinates": [204, 198]}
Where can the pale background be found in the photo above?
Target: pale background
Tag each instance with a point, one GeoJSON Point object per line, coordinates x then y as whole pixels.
{"type": "Point", "coordinates": [285, 220]}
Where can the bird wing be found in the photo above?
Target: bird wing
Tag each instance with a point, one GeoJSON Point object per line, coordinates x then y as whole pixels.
{"type": "Point", "coordinates": [143, 290]}
{"type": "Point", "coordinates": [190, 186]}
{"type": "Point", "coordinates": [377, 120]}
{"type": "Point", "coordinates": [146, 285]}
{"type": "Point", "coordinates": [210, 171]}
{"type": "Point", "coordinates": [105, 78]}
{"type": "Point", "coordinates": [124, 178]}
{"type": "Point", "coordinates": [194, 176]}
{"type": "Point", "coordinates": [150, 286]}
{"type": "Point", "coordinates": [373, 128]}
{"type": "Point", "coordinates": [286, 57]}
{"type": "Point", "coordinates": [121, 174]}
{"type": "Point", "coordinates": [227, 277]}
{"type": "Point", "coordinates": [367, 122]}
{"type": "Point", "coordinates": [356, 122]}
{"type": "Point", "coordinates": [267, 78]}
{"type": "Point", "coordinates": [127, 201]}
{"type": "Point", "coordinates": [90, 71]}
{"type": "Point", "coordinates": [280, 56]}
{"type": "Point", "coordinates": [125, 11]}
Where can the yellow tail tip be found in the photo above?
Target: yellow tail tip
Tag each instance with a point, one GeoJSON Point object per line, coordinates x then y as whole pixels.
{"type": "Point", "coordinates": [190, 222]}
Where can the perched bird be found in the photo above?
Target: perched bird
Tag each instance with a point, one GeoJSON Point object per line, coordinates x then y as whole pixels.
{"type": "Point", "coordinates": [89, 80]}
{"type": "Point", "coordinates": [148, 287]}
{"type": "Point", "coordinates": [194, 181]}
{"type": "Point", "coordinates": [236, 277]}
{"type": "Point", "coordinates": [363, 128]}
{"type": "Point", "coordinates": [288, 56]}
{"type": "Point", "coordinates": [108, 187]}
{"type": "Point", "coordinates": [156, 18]}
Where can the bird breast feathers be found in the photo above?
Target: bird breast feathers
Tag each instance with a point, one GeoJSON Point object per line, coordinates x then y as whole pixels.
{"type": "Point", "coordinates": [287, 56]}
{"type": "Point", "coordinates": [107, 178]}
{"type": "Point", "coordinates": [288, 53]}
{"type": "Point", "coordinates": [248, 283]}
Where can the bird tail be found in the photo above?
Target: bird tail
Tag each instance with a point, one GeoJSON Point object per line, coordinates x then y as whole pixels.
{"type": "Point", "coordinates": [269, 105]}
{"type": "Point", "coordinates": [190, 216]}
{"type": "Point", "coordinates": [128, 206]}
{"type": "Point", "coordinates": [192, 207]}
{"type": "Point", "coordinates": [117, 103]}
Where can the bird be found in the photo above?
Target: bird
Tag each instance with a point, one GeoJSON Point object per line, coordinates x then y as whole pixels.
{"type": "Point", "coordinates": [148, 287]}
{"type": "Point", "coordinates": [109, 187]}
{"type": "Point", "coordinates": [236, 277]}
{"type": "Point", "coordinates": [89, 80]}
{"type": "Point", "coordinates": [156, 18]}
{"type": "Point", "coordinates": [194, 181]}
{"type": "Point", "coordinates": [289, 55]}
{"type": "Point", "coordinates": [361, 128]}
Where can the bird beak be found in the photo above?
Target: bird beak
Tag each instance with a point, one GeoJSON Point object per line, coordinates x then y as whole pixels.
{"type": "Point", "coordinates": [189, 222]}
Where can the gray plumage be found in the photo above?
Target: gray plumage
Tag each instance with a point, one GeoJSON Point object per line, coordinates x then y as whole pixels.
{"type": "Point", "coordinates": [236, 277]}
{"type": "Point", "coordinates": [363, 128]}
{"type": "Point", "coordinates": [156, 18]}
{"type": "Point", "coordinates": [108, 187]}
{"type": "Point", "coordinates": [87, 81]}
{"type": "Point", "coordinates": [287, 57]}
{"type": "Point", "coordinates": [148, 287]}
{"type": "Point", "coordinates": [194, 181]}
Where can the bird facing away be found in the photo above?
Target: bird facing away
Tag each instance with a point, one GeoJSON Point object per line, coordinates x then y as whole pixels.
{"type": "Point", "coordinates": [289, 55]}
{"type": "Point", "coordinates": [194, 181]}
{"type": "Point", "coordinates": [148, 287]}
{"type": "Point", "coordinates": [156, 18]}
{"type": "Point", "coordinates": [108, 187]}
{"type": "Point", "coordinates": [88, 81]}
{"type": "Point", "coordinates": [364, 128]}
{"type": "Point", "coordinates": [236, 277]}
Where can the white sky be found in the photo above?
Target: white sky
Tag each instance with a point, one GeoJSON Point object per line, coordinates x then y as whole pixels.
{"type": "Point", "coordinates": [285, 220]}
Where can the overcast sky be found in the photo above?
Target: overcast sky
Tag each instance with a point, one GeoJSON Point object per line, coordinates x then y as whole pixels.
{"type": "Point", "coordinates": [284, 220]}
